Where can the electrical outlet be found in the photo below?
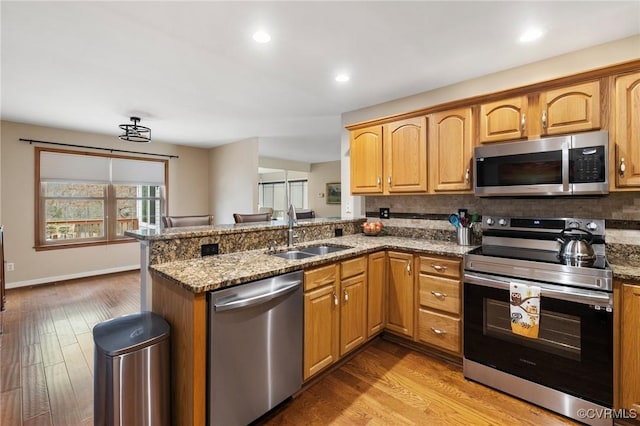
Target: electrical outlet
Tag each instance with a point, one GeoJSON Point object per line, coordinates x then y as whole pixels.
{"type": "Point", "coordinates": [11, 266]}
{"type": "Point", "coordinates": [384, 213]}
{"type": "Point", "coordinates": [209, 249]}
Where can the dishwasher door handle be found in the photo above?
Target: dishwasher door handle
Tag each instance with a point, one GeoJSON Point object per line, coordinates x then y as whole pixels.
{"type": "Point", "coordinates": [256, 300]}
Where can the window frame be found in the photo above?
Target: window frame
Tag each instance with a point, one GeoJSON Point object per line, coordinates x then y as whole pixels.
{"type": "Point", "coordinates": [111, 201]}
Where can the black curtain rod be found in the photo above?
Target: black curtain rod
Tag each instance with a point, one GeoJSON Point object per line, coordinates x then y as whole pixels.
{"type": "Point", "coordinates": [31, 141]}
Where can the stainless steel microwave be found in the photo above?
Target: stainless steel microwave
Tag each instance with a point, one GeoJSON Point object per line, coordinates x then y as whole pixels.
{"type": "Point", "coordinates": [566, 165]}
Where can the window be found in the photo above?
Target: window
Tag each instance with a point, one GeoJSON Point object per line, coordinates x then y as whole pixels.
{"type": "Point", "coordinates": [86, 199]}
{"type": "Point", "coordinates": [272, 194]}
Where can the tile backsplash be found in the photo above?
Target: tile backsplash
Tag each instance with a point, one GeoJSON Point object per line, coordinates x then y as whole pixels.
{"type": "Point", "coordinates": [615, 206]}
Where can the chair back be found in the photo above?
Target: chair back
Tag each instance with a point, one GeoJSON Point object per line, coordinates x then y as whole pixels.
{"type": "Point", "coordinates": [251, 217]}
{"type": "Point", "coordinates": [305, 214]}
{"type": "Point", "coordinates": [178, 221]}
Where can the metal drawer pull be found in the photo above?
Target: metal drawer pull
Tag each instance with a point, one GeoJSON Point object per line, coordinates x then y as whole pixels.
{"type": "Point", "coordinates": [379, 180]}
{"type": "Point", "coordinates": [335, 299]}
{"type": "Point", "coordinates": [346, 296]}
{"type": "Point", "coordinates": [438, 331]}
{"type": "Point", "coordinates": [439, 295]}
{"type": "Point", "coordinates": [544, 119]}
{"type": "Point", "coordinates": [523, 123]}
{"type": "Point", "coordinates": [408, 268]}
{"type": "Point", "coordinates": [439, 268]}
{"type": "Point", "coordinates": [623, 168]}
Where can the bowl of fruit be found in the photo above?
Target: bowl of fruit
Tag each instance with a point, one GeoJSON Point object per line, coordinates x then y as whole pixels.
{"type": "Point", "coordinates": [372, 228]}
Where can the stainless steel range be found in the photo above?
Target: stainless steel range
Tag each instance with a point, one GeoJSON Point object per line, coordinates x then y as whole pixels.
{"type": "Point", "coordinates": [538, 308]}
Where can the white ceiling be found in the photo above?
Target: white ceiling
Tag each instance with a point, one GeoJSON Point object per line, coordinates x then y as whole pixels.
{"type": "Point", "coordinates": [193, 73]}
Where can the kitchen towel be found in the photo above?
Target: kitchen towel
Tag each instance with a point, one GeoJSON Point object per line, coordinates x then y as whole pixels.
{"type": "Point", "coordinates": [524, 303]}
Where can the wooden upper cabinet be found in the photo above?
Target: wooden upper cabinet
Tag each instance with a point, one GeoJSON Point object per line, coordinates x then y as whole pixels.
{"type": "Point", "coordinates": [405, 153]}
{"type": "Point", "coordinates": [504, 120]}
{"type": "Point", "coordinates": [366, 160]}
{"type": "Point", "coordinates": [570, 109]}
{"type": "Point", "coordinates": [626, 124]}
{"type": "Point", "coordinates": [451, 150]}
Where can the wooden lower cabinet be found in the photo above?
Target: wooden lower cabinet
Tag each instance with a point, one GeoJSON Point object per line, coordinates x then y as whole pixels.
{"type": "Point", "coordinates": [630, 347]}
{"type": "Point", "coordinates": [400, 293]}
{"type": "Point", "coordinates": [439, 298]}
{"type": "Point", "coordinates": [321, 319]}
{"type": "Point", "coordinates": [335, 312]}
{"type": "Point", "coordinates": [376, 294]}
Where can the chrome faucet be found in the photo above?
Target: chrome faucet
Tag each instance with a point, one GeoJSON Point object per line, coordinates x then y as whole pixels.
{"type": "Point", "coordinates": [293, 221]}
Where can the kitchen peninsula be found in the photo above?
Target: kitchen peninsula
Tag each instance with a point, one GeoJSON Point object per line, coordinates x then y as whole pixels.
{"type": "Point", "coordinates": [181, 279]}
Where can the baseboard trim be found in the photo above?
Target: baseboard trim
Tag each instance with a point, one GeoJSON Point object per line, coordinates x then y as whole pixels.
{"type": "Point", "coordinates": [49, 280]}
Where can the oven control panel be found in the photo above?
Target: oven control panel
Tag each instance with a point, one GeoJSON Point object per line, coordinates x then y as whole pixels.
{"type": "Point", "coordinates": [594, 226]}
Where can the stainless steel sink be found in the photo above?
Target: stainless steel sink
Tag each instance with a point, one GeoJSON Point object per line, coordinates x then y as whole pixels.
{"type": "Point", "coordinates": [323, 249]}
{"type": "Point", "coordinates": [304, 252]}
{"type": "Point", "coordinates": [294, 254]}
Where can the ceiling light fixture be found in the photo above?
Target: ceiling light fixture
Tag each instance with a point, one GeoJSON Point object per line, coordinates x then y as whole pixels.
{"type": "Point", "coordinates": [342, 78]}
{"type": "Point", "coordinates": [134, 132]}
{"type": "Point", "coordinates": [531, 35]}
{"type": "Point", "coordinates": [261, 37]}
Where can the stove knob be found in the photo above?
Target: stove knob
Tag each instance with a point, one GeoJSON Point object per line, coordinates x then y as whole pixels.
{"type": "Point", "coordinates": [574, 225]}
{"type": "Point", "coordinates": [502, 222]}
{"type": "Point", "coordinates": [490, 221]}
{"type": "Point", "coordinates": [592, 226]}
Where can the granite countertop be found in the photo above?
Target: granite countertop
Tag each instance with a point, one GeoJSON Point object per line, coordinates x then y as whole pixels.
{"type": "Point", "coordinates": [216, 272]}
{"type": "Point", "coordinates": [624, 271]}
{"type": "Point", "coordinates": [207, 230]}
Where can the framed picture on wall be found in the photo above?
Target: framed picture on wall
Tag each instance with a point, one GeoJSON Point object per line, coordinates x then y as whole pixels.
{"type": "Point", "coordinates": [334, 193]}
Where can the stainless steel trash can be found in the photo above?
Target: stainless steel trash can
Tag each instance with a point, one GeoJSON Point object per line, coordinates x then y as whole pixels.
{"type": "Point", "coordinates": [131, 371]}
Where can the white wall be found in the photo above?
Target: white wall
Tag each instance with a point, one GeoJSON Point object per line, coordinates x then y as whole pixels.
{"type": "Point", "coordinates": [321, 174]}
{"type": "Point", "coordinates": [233, 179]}
{"type": "Point", "coordinates": [572, 63]}
{"type": "Point", "coordinates": [17, 185]}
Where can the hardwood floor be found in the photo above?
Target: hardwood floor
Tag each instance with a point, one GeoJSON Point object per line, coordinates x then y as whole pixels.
{"type": "Point", "coordinates": [46, 371]}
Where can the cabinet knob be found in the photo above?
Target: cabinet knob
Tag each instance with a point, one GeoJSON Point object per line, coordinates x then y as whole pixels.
{"type": "Point", "coordinates": [389, 180]}
{"type": "Point", "coordinates": [379, 180]}
{"type": "Point", "coordinates": [544, 119]}
{"type": "Point", "coordinates": [467, 176]}
{"type": "Point", "coordinates": [623, 167]}
{"type": "Point", "coordinates": [346, 296]}
{"type": "Point", "coordinates": [335, 299]}
{"type": "Point", "coordinates": [523, 123]}
{"type": "Point", "coordinates": [408, 268]}
{"type": "Point", "coordinates": [438, 331]}
{"type": "Point", "coordinates": [439, 295]}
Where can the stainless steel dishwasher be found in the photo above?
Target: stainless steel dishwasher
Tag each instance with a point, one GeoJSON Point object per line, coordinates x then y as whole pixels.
{"type": "Point", "coordinates": [255, 348]}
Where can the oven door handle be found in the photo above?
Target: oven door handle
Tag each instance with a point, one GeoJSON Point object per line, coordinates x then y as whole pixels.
{"type": "Point", "coordinates": [585, 297]}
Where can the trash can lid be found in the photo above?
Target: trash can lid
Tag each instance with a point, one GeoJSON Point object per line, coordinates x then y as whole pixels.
{"type": "Point", "coordinates": [130, 333]}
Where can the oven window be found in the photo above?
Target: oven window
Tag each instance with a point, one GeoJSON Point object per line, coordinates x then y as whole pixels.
{"type": "Point", "coordinates": [523, 169]}
{"type": "Point", "coordinates": [559, 333]}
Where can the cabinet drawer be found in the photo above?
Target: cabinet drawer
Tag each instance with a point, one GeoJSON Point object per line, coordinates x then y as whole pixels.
{"type": "Point", "coordinates": [440, 293]}
{"type": "Point", "coordinates": [353, 267]}
{"type": "Point", "coordinates": [319, 277]}
{"type": "Point", "coordinates": [440, 266]}
{"type": "Point", "coordinates": [439, 330]}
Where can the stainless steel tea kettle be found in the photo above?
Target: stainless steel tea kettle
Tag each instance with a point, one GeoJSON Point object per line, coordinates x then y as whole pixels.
{"type": "Point", "coordinates": [576, 247]}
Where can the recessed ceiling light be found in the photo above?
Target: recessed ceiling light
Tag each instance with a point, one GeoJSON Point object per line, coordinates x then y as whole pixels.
{"type": "Point", "coordinates": [261, 37]}
{"type": "Point", "coordinates": [341, 78]}
{"type": "Point", "coordinates": [530, 35]}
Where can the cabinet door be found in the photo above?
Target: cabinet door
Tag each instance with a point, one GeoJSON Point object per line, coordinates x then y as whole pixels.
{"type": "Point", "coordinates": [366, 160]}
{"type": "Point", "coordinates": [570, 109]}
{"type": "Point", "coordinates": [630, 348]}
{"type": "Point", "coordinates": [321, 329]}
{"type": "Point", "coordinates": [504, 120]}
{"type": "Point", "coordinates": [627, 130]}
{"type": "Point", "coordinates": [451, 150]}
{"type": "Point", "coordinates": [376, 279]}
{"type": "Point", "coordinates": [353, 313]}
{"type": "Point", "coordinates": [405, 149]}
{"type": "Point", "coordinates": [400, 306]}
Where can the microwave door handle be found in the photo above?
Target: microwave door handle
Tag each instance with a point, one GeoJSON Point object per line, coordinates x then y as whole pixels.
{"type": "Point", "coordinates": [584, 297]}
{"type": "Point", "coordinates": [566, 188]}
